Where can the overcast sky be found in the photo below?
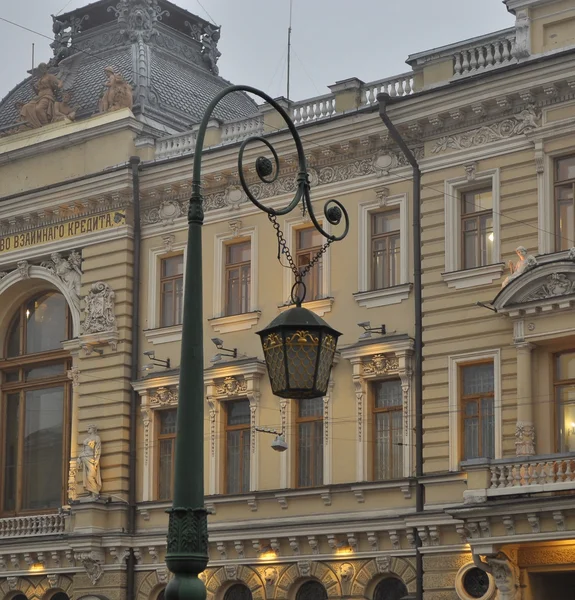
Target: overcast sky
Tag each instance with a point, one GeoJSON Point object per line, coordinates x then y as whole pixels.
{"type": "Point", "coordinates": [332, 39]}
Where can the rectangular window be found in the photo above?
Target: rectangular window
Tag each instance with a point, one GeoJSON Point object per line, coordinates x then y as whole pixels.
{"type": "Point", "coordinates": [564, 210]}
{"type": "Point", "coordinates": [237, 446]}
{"type": "Point", "coordinates": [565, 398]}
{"type": "Point", "coordinates": [478, 423]}
{"type": "Point", "coordinates": [477, 228]}
{"type": "Point", "coordinates": [237, 278]}
{"type": "Point", "coordinates": [385, 238]}
{"type": "Point", "coordinates": [310, 441]}
{"type": "Point", "coordinates": [166, 452]}
{"type": "Point", "coordinates": [171, 290]}
{"type": "Point", "coordinates": [308, 242]}
{"type": "Point", "coordinates": [387, 435]}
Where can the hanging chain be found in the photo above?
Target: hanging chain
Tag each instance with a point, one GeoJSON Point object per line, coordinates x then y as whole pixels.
{"type": "Point", "coordinates": [299, 274]}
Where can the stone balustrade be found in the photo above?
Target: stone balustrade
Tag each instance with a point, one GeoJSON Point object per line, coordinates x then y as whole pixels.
{"type": "Point", "coordinates": [534, 474]}
{"type": "Point", "coordinates": [236, 131]}
{"type": "Point", "coordinates": [313, 109]}
{"type": "Point", "coordinates": [400, 85]}
{"type": "Point", "coordinates": [485, 53]}
{"type": "Point", "coordinates": [175, 145]}
{"type": "Point", "coordinates": [32, 526]}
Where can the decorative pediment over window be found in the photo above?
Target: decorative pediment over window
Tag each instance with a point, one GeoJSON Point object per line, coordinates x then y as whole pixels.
{"type": "Point", "coordinates": [548, 285]}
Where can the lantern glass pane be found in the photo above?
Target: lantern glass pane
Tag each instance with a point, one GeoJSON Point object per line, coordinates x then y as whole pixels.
{"type": "Point", "coordinates": [327, 352]}
{"type": "Point", "coordinates": [302, 348]}
{"type": "Point", "coordinates": [274, 353]}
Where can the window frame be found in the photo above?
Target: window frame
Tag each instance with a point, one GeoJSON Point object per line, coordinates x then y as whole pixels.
{"type": "Point", "coordinates": [388, 236]}
{"type": "Point", "coordinates": [226, 429]}
{"type": "Point", "coordinates": [159, 438]}
{"type": "Point", "coordinates": [464, 400]}
{"type": "Point", "coordinates": [454, 386]}
{"type": "Point", "coordinates": [311, 419]}
{"type": "Point", "coordinates": [366, 296]}
{"type": "Point", "coordinates": [557, 406]}
{"type": "Point", "coordinates": [477, 217]}
{"type": "Point", "coordinates": [315, 274]}
{"type": "Point", "coordinates": [20, 363]}
{"type": "Point", "coordinates": [455, 275]}
{"type": "Point", "coordinates": [557, 184]}
{"type": "Point", "coordinates": [228, 267]}
{"type": "Point", "coordinates": [173, 279]}
{"type": "Point", "coordinates": [374, 411]}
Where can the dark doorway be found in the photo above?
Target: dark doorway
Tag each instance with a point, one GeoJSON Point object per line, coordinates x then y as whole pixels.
{"type": "Point", "coordinates": [390, 589]}
{"type": "Point", "coordinates": [555, 584]}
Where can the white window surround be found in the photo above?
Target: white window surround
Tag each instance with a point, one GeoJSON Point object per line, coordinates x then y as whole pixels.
{"type": "Point", "coordinates": [156, 334]}
{"type": "Point", "coordinates": [234, 381]}
{"type": "Point", "coordinates": [323, 305]}
{"type": "Point", "coordinates": [228, 323]}
{"type": "Point", "coordinates": [367, 367]}
{"type": "Point", "coordinates": [454, 364]}
{"type": "Point", "coordinates": [454, 275]}
{"type": "Point", "coordinates": [366, 297]}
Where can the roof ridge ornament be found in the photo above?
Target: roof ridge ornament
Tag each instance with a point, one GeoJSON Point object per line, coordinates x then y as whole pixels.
{"type": "Point", "coordinates": [137, 18]}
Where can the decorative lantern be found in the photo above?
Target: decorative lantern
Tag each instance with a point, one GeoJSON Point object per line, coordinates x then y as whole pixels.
{"type": "Point", "coordinates": [299, 348]}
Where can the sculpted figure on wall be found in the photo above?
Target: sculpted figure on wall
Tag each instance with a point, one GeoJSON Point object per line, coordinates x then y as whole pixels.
{"type": "Point", "coordinates": [525, 263]}
{"type": "Point", "coordinates": [63, 109]}
{"type": "Point", "coordinates": [100, 316]}
{"type": "Point", "coordinates": [69, 271]}
{"type": "Point", "coordinates": [118, 92]}
{"type": "Point", "coordinates": [40, 110]}
{"type": "Point", "coordinates": [89, 461]}
{"type": "Point", "coordinates": [210, 52]}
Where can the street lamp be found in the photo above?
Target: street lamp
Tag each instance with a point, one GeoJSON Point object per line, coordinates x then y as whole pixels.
{"type": "Point", "coordinates": [298, 346]}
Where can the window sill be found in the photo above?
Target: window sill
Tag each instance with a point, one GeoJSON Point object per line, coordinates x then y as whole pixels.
{"type": "Point", "coordinates": [470, 278]}
{"type": "Point", "coordinates": [164, 335]}
{"type": "Point", "coordinates": [384, 296]}
{"type": "Point", "coordinates": [319, 307]}
{"type": "Point", "coordinates": [235, 322]}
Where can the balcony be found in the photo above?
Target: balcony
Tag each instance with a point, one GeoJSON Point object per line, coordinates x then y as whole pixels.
{"type": "Point", "coordinates": [32, 526]}
{"type": "Point", "coordinates": [513, 476]}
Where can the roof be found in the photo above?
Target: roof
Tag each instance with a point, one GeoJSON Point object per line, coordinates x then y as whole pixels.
{"type": "Point", "coordinates": [164, 61]}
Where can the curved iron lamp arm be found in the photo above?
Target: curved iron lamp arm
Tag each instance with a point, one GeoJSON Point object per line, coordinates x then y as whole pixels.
{"type": "Point", "coordinates": [187, 552]}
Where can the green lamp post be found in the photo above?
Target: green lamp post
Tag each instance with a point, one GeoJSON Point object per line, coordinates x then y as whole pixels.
{"type": "Point", "coordinates": [298, 346]}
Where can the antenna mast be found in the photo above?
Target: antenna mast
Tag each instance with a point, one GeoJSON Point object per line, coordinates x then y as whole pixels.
{"type": "Point", "coordinates": [289, 47]}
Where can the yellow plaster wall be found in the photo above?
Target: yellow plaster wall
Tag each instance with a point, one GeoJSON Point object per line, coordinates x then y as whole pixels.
{"type": "Point", "coordinates": [552, 26]}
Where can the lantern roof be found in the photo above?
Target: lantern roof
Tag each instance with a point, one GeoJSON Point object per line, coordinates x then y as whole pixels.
{"type": "Point", "coordinates": [299, 316]}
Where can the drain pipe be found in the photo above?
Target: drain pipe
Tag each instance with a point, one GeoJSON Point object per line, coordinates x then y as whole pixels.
{"type": "Point", "coordinates": [132, 504]}
{"type": "Point", "coordinates": [383, 100]}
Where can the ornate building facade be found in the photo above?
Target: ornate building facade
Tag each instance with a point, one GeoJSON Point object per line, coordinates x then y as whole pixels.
{"type": "Point", "coordinates": [96, 150]}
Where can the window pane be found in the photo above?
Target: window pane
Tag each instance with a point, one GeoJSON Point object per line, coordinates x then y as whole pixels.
{"type": "Point", "coordinates": [477, 201]}
{"type": "Point", "coordinates": [394, 262]}
{"type": "Point", "coordinates": [238, 412]}
{"type": "Point", "coordinates": [311, 590]}
{"type": "Point", "coordinates": [311, 407]}
{"type": "Point", "coordinates": [566, 224]}
{"type": "Point", "coordinates": [478, 379]}
{"type": "Point", "coordinates": [13, 348]}
{"type": "Point", "coordinates": [238, 591]}
{"type": "Point", "coordinates": [309, 238]}
{"type": "Point", "coordinates": [11, 429]}
{"type": "Point", "coordinates": [388, 394]}
{"type": "Point", "coordinates": [565, 168]}
{"type": "Point", "coordinates": [11, 376]}
{"type": "Point", "coordinates": [385, 222]}
{"type": "Point", "coordinates": [471, 435]}
{"type": "Point", "coordinates": [238, 253]}
{"type": "Point", "coordinates": [45, 372]}
{"type": "Point", "coordinates": [310, 454]}
{"type": "Point", "coordinates": [390, 589]}
{"type": "Point", "coordinates": [238, 461]}
{"type": "Point", "coordinates": [43, 448]}
{"type": "Point", "coordinates": [379, 264]}
{"type": "Point", "coordinates": [167, 304]}
{"type": "Point", "coordinates": [168, 422]}
{"type": "Point", "coordinates": [45, 323]}
{"type": "Point", "coordinates": [165, 470]}
{"type": "Point", "coordinates": [173, 266]}
{"type": "Point", "coordinates": [470, 258]}
{"type": "Point", "coordinates": [488, 428]}
{"type": "Point", "coordinates": [486, 239]}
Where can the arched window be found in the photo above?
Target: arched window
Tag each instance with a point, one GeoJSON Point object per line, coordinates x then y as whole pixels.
{"type": "Point", "coordinates": [34, 406]}
{"type": "Point", "coordinates": [311, 590]}
{"type": "Point", "coordinates": [238, 591]}
{"type": "Point", "coordinates": [60, 596]}
{"type": "Point", "coordinates": [19, 597]}
{"type": "Point", "coordinates": [390, 589]}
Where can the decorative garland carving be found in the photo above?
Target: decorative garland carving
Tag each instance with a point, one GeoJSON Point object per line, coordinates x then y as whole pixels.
{"type": "Point", "coordinates": [231, 386]}
{"type": "Point", "coordinates": [164, 396]}
{"type": "Point", "coordinates": [522, 122]}
{"type": "Point", "coordinates": [381, 365]}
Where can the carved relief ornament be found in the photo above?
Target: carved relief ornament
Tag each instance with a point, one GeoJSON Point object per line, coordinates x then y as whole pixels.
{"type": "Point", "coordinates": [231, 386]}
{"type": "Point", "coordinates": [164, 396]}
{"type": "Point", "coordinates": [100, 312]}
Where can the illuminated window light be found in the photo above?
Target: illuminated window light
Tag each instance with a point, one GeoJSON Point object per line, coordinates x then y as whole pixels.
{"type": "Point", "coordinates": [268, 553]}
{"type": "Point", "coordinates": [35, 567]}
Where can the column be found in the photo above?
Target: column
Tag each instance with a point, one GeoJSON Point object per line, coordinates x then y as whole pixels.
{"type": "Point", "coordinates": [525, 429]}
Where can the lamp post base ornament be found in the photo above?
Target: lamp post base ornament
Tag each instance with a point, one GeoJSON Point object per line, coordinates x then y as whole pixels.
{"type": "Point", "coordinates": [187, 554]}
